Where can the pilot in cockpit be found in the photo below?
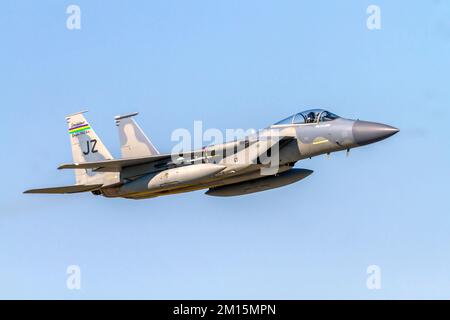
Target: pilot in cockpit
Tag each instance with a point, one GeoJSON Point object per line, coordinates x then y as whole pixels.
{"type": "Point", "coordinates": [310, 118]}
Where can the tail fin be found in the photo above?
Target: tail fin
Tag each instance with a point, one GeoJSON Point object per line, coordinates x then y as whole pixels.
{"type": "Point", "coordinates": [133, 141]}
{"type": "Point", "coordinates": [87, 147]}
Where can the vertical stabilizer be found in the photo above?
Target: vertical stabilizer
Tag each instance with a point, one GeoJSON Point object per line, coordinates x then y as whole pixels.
{"type": "Point", "coordinates": [133, 141]}
{"type": "Point", "coordinates": [87, 147]}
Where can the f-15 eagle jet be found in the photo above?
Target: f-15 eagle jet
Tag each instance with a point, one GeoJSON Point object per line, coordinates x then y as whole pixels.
{"type": "Point", "coordinates": [260, 161]}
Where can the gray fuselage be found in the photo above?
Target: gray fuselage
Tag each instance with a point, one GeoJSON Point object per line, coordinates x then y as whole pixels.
{"type": "Point", "coordinates": [259, 162]}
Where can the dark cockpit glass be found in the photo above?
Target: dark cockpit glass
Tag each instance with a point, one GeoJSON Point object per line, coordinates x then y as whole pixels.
{"type": "Point", "coordinates": [309, 116]}
{"type": "Point", "coordinates": [327, 116]}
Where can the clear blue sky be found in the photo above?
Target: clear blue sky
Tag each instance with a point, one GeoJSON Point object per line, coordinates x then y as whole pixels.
{"type": "Point", "coordinates": [231, 64]}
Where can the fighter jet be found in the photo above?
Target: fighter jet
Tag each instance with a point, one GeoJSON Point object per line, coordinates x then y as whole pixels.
{"type": "Point", "coordinates": [260, 161]}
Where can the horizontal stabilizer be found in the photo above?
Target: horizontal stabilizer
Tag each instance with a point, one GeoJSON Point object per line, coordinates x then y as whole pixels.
{"type": "Point", "coordinates": [67, 189]}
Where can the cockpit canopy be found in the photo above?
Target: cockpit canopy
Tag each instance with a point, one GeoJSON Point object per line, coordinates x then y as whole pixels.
{"type": "Point", "coordinates": [309, 116]}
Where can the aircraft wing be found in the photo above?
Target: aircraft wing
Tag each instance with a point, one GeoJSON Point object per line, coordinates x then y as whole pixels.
{"type": "Point", "coordinates": [115, 165]}
{"type": "Point", "coordinates": [67, 189]}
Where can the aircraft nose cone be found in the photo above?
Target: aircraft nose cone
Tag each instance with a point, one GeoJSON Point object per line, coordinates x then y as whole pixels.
{"type": "Point", "coordinates": [365, 132]}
